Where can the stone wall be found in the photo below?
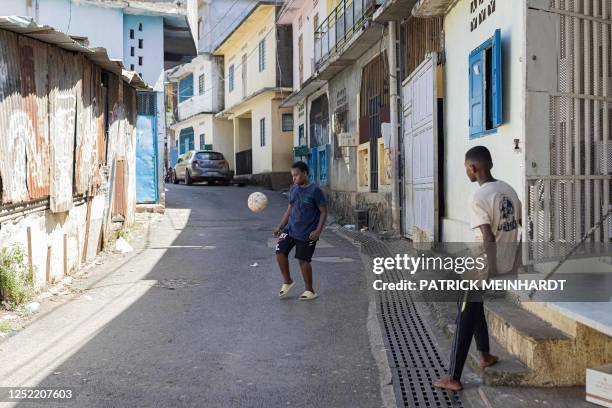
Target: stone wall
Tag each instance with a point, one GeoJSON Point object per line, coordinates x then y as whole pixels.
{"type": "Point", "coordinates": [342, 204]}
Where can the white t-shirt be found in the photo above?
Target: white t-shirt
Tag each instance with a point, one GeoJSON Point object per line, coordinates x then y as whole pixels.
{"type": "Point", "coordinates": [496, 203]}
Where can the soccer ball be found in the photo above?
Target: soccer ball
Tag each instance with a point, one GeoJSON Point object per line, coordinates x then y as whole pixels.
{"type": "Point", "coordinates": [257, 202]}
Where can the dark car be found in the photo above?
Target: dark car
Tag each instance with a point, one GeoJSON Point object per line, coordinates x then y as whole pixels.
{"type": "Point", "coordinates": [202, 165]}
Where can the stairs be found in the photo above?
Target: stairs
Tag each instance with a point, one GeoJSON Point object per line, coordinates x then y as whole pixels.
{"type": "Point", "coordinates": [536, 346]}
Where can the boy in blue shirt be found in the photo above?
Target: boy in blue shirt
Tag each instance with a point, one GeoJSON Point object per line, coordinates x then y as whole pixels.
{"type": "Point", "coordinates": [301, 227]}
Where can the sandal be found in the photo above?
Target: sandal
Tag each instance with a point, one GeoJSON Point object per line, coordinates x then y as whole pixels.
{"type": "Point", "coordinates": [308, 295]}
{"type": "Point", "coordinates": [284, 290]}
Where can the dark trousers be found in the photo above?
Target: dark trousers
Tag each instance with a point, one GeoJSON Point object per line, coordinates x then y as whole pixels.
{"type": "Point", "coordinates": [471, 322]}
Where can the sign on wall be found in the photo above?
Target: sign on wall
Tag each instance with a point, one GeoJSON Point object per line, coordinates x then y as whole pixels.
{"type": "Point", "coordinates": [346, 139]}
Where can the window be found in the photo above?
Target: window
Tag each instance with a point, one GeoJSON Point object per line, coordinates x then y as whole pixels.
{"type": "Point", "coordinates": [140, 43]}
{"type": "Point", "coordinates": [140, 61]}
{"type": "Point", "coordinates": [201, 85]}
{"type": "Point", "coordinates": [186, 88]}
{"type": "Point", "coordinates": [202, 142]}
{"type": "Point", "coordinates": [210, 156]}
{"type": "Point", "coordinates": [131, 51]}
{"type": "Point", "coordinates": [231, 78]}
{"type": "Point", "coordinates": [131, 67]}
{"type": "Point", "coordinates": [485, 73]}
{"type": "Point", "coordinates": [262, 55]}
{"type": "Point", "coordinates": [139, 26]}
{"type": "Point", "coordinates": [287, 122]}
{"type": "Point", "coordinates": [262, 132]}
{"type": "Point", "coordinates": [200, 27]}
{"type": "Point", "coordinates": [132, 34]}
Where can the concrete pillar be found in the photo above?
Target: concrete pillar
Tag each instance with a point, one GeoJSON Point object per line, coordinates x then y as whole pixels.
{"type": "Point", "coordinates": [394, 102]}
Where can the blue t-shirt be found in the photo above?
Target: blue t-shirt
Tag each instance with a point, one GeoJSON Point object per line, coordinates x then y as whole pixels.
{"type": "Point", "coordinates": [304, 218]}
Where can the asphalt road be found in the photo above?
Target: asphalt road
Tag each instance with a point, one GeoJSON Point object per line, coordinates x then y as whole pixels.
{"type": "Point", "coordinates": [191, 318]}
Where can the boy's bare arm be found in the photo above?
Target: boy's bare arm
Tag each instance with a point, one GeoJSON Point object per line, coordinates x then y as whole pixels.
{"type": "Point", "coordinates": [490, 246]}
{"type": "Point", "coordinates": [283, 222]}
{"type": "Point", "coordinates": [314, 235]}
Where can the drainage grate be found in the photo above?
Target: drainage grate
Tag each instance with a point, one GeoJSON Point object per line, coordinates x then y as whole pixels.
{"type": "Point", "coordinates": [411, 349]}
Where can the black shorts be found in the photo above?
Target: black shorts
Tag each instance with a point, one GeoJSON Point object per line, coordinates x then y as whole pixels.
{"type": "Point", "coordinates": [303, 249]}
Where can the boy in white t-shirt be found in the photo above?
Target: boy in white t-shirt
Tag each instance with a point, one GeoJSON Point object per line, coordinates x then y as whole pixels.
{"type": "Point", "coordinates": [495, 215]}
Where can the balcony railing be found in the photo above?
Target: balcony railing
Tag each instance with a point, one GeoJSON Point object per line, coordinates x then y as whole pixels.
{"type": "Point", "coordinates": [344, 21]}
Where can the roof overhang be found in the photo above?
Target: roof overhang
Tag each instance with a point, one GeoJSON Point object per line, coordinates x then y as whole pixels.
{"type": "Point", "coordinates": [432, 8]}
{"type": "Point", "coordinates": [290, 11]}
{"type": "Point", "coordinates": [393, 10]}
{"type": "Point", "coordinates": [27, 27]}
{"type": "Point", "coordinates": [311, 85]}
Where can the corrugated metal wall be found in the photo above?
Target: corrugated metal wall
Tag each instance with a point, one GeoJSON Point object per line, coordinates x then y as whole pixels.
{"type": "Point", "coordinates": [53, 124]}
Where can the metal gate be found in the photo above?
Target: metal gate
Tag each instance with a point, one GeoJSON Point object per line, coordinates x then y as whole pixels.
{"type": "Point", "coordinates": [568, 197]}
{"type": "Point", "coordinates": [146, 149]}
{"type": "Point", "coordinates": [420, 144]}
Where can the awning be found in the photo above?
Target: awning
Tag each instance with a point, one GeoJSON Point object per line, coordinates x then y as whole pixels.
{"type": "Point", "coordinates": [311, 85]}
{"type": "Point", "coordinates": [432, 8]}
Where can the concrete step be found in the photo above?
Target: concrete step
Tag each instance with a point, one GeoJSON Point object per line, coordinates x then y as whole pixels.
{"type": "Point", "coordinates": [547, 351]}
{"type": "Point", "coordinates": [509, 371]}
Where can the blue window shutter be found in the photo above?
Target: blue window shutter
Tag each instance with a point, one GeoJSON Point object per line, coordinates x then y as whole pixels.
{"type": "Point", "coordinates": [496, 79]}
{"type": "Point", "coordinates": [186, 88]}
{"type": "Point", "coordinates": [477, 95]}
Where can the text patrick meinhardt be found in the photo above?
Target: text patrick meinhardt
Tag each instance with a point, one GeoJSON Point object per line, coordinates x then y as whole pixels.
{"type": "Point", "coordinates": [459, 265]}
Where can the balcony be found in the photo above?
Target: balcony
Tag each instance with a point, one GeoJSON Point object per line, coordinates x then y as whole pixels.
{"type": "Point", "coordinates": [345, 35]}
{"type": "Point", "coordinates": [194, 105]}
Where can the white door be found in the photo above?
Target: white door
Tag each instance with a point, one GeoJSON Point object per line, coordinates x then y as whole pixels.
{"type": "Point", "coordinates": [421, 152]}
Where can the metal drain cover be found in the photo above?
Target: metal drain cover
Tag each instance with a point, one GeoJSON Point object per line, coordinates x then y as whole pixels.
{"type": "Point", "coordinates": [176, 283]}
{"type": "Point", "coordinates": [333, 259]}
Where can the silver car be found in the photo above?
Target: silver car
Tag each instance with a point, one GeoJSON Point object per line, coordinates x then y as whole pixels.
{"type": "Point", "coordinates": [202, 165]}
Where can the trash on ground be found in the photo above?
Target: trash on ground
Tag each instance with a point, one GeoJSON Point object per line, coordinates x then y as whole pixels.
{"type": "Point", "coordinates": [350, 227]}
{"type": "Point", "coordinates": [32, 308]}
{"type": "Point", "coordinates": [254, 264]}
{"type": "Point", "coordinates": [123, 246]}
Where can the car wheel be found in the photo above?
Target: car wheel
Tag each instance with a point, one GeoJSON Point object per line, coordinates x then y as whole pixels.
{"type": "Point", "coordinates": [188, 179]}
{"type": "Point", "coordinates": [175, 179]}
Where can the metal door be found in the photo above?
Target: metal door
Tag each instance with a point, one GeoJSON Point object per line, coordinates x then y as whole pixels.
{"type": "Point", "coordinates": [421, 153]}
{"type": "Point", "coordinates": [146, 149]}
{"type": "Point", "coordinates": [146, 159]}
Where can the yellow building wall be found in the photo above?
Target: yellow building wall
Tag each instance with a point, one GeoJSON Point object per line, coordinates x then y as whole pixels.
{"type": "Point", "coordinates": [282, 144]}
{"type": "Point", "coordinates": [247, 43]}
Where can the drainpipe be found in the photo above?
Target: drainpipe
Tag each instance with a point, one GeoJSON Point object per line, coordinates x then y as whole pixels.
{"type": "Point", "coordinates": [394, 101]}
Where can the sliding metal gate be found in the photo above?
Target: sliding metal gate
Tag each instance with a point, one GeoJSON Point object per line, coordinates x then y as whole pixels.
{"type": "Point", "coordinates": [571, 193]}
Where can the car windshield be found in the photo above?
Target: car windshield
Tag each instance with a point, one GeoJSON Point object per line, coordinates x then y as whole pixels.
{"type": "Point", "coordinates": [209, 156]}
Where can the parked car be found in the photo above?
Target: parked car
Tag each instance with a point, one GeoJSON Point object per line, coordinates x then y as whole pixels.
{"type": "Point", "coordinates": [202, 165]}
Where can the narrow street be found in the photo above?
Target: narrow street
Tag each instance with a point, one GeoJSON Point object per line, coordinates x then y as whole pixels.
{"type": "Point", "coordinates": [191, 318]}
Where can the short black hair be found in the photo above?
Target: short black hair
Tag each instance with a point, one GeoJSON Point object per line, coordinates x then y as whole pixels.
{"type": "Point", "coordinates": [301, 166]}
{"type": "Point", "coordinates": [479, 154]}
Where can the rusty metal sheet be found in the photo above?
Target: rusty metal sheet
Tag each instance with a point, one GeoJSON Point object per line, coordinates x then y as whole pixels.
{"type": "Point", "coordinates": [64, 79]}
{"type": "Point", "coordinates": [99, 103]}
{"type": "Point", "coordinates": [15, 126]}
{"type": "Point", "coordinates": [120, 199]}
{"type": "Point", "coordinates": [34, 91]}
{"type": "Point", "coordinates": [86, 156]}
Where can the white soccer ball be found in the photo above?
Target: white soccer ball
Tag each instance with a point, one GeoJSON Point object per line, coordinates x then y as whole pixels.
{"type": "Point", "coordinates": [257, 202]}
